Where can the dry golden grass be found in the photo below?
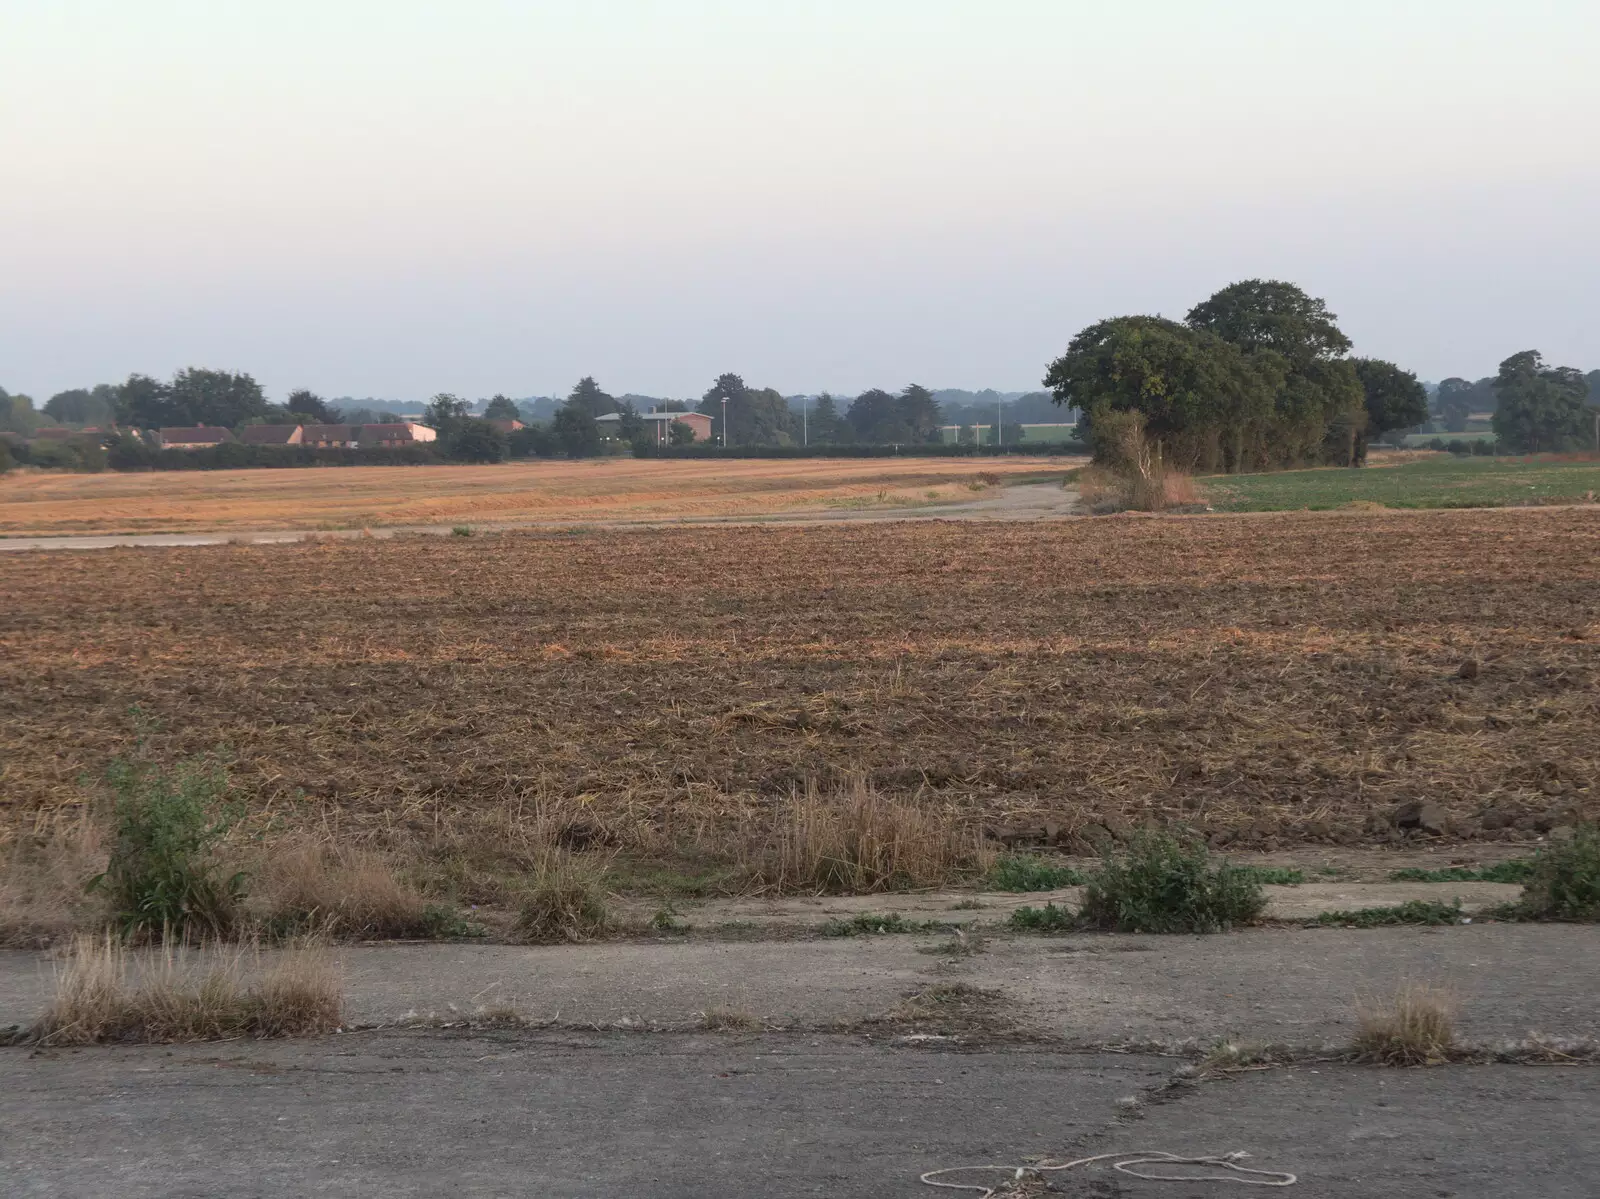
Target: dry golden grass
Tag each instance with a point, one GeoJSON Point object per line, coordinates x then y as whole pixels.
{"type": "Point", "coordinates": [856, 842]}
{"type": "Point", "coordinates": [337, 891]}
{"type": "Point", "coordinates": [565, 901]}
{"type": "Point", "coordinates": [374, 496]}
{"type": "Point", "coordinates": [1415, 1028]}
{"type": "Point", "coordinates": [107, 992]}
{"type": "Point", "coordinates": [42, 896]}
{"type": "Point", "coordinates": [462, 705]}
{"type": "Point", "coordinates": [725, 1019]}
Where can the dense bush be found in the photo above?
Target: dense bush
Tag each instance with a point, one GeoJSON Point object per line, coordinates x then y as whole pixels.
{"type": "Point", "coordinates": [161, 878]}
{"type": "Point", "coordinates": [1162, 884]}
{"type": "Point", "coordinates": [1564, 880]}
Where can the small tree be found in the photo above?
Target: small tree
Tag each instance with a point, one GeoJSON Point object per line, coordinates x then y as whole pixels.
{"type": "Point", "coordinates": [679, 433]}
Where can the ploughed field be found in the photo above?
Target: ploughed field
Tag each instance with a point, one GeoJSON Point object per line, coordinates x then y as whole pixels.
{"type": "Point", "coordinates": [1261, 678]}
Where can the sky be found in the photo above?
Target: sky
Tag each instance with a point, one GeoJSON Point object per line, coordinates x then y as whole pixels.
{"type": "Point", "coordinates": [401, 197]}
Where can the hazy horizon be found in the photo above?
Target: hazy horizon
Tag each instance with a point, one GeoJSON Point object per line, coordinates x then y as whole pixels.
{"type": "Point", "coordinates": [410, 197]}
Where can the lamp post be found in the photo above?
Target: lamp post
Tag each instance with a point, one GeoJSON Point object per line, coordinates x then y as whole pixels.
{"type": "Point", "coordinates": [999, 425]}
{"type": "Point", "coordinates": [805, 421]}
{"type": "Point", "coordinates": [724, 422]}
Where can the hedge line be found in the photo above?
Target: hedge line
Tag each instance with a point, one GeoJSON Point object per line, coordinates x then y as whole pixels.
{"type": "Point", "coordinates": [931, 450]}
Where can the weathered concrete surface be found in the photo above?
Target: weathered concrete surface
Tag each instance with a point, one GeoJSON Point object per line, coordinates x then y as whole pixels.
{"type": "Point", "coordinates": [684, 1117]}
{"type": "Point", "coordinates": [1269, 985]}
{"type": "Point", "coordinates": [1299, 902]}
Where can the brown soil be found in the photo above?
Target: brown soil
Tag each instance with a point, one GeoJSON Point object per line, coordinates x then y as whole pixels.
{"type": "Point", "coordinates": [1275, 678]}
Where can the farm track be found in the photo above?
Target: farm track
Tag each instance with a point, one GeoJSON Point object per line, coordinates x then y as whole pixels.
{"type": "Point", "coordinates": [1267, 679]}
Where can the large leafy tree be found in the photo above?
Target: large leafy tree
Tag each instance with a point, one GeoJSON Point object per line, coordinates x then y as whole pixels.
{"type": "Point", "coordinates": [756, 416]}
{"type": "Point", "coordinates": [83, 406]}
{"type": "Point", "coordinates": [1319, 409]}
{"type": "Point", "coordinates": [1204, 400]}
{"type": "Point", "coordinates": [217, 397]}
{"type": "Point", "coordinates": [1394, 397]}
{"type": "Point", "coordinates": [309, 408]}
{"type": "Point", "coordinates": [1454, 402]}
{"type": "Point", "coordinates": [17, 414]}
{"type": "Point", "coordinates": [446, 413]}
{"type": "Point", "coordinates": [1541, 408]}
{"type": "Point", "coordinates": [874, 417]}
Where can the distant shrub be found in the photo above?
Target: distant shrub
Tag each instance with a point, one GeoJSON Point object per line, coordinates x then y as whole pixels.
{"type": "Point", "coordinates": [1048, 919]}
{"type": "Point", "coordinates": [1162, 884]}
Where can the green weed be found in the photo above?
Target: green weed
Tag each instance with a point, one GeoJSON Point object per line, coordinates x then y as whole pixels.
{"type": "Point", "coordinates": [1416, 911]}
{"type": "Point", "coordinates": [871, 924]}
{"type": "Point", "coordinates": [1514, 871]}
{"type": "Point", "coordinates": [161, 877]}
{"type": "Point", "coordinates": [1564, 880]}
{"type": "Point", "coordinates": [1165, 885]}
{"type": "Point", "coordinates": [1020, 872]}
{"type": "Point", "coordinates": [1274, 876]}
{"type": "Point", "coordinates": [1048, 919]}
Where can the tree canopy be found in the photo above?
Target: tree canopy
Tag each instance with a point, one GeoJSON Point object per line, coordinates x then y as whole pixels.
{"type": "Point", "coordinates": [587, 396]}
{"type": "Point", "coordinates": [1541, 408]}
{"type": "Point", "coordinates": [1254, 378]}
{"type": "Point", "coordinates": [83, 406]}
{"type": "Point", "coordinates": [1394, 397]}
{"type": "Point", "coordinates": [501, 408]}
{"type": "Point", "coordinates": [309, 408]}
{"type": "Point", "coordinates": [756, 416]}
{"type": "Point", "coordinates": [194, 396]}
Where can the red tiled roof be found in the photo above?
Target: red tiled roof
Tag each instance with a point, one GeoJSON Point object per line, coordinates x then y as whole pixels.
{"type": "Point", "coordinates": [268, 434]}
{"type": "Point", "coordinates": [199, 435]}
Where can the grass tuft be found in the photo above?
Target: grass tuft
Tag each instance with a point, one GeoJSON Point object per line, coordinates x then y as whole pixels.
{"type": "Point", "coordinates": [724, 1019]}
{"type": "Point", "coordinates": [1274, 876]}
{"type": "Point", "coordinates": [564, 902]}
{"type": "Point", "coordinates": [1166, 885]}
{"type": "Point", "coordinates": [861, 842]}
{"type": "Point", "coordinates": [348, 893]}
{"type": "Point", "coordinates": [1416, 1028]}
{"type": "Point", "coordinates": [107, 992]}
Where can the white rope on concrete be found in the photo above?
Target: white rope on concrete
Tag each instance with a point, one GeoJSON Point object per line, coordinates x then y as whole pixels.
{"type": "Point", "coordinates": [1125, 1163]}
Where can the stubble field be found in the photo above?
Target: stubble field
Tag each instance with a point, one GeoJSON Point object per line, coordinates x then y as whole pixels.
{"type": "Point", "coordinates": [1264, 679]}
{"type": "Point", "coordinates": [352, 497]}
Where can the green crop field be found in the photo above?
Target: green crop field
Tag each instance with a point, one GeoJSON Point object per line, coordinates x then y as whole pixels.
{"type": "Point", "coordinates": [1442, 482]}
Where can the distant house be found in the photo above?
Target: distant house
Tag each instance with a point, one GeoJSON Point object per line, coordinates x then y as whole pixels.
{"type": "Point", "coordinates": [198, 438]}
{"type": "Point", "coordinates": [699, 424]}
{"type": "Point", "coordinates": [506, 425]}
{"type": "Point", "coordinates": [271, 434]}
{"type": "Point", "coordinates": [325, 437]}
{"type": "Point", "coordinates": [404, 433]}
{"type": "Point", "coordinates": [661, 422]}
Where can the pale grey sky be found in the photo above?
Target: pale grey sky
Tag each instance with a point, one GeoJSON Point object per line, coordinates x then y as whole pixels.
{"type": "Point", "coordinates": [398, 197]}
